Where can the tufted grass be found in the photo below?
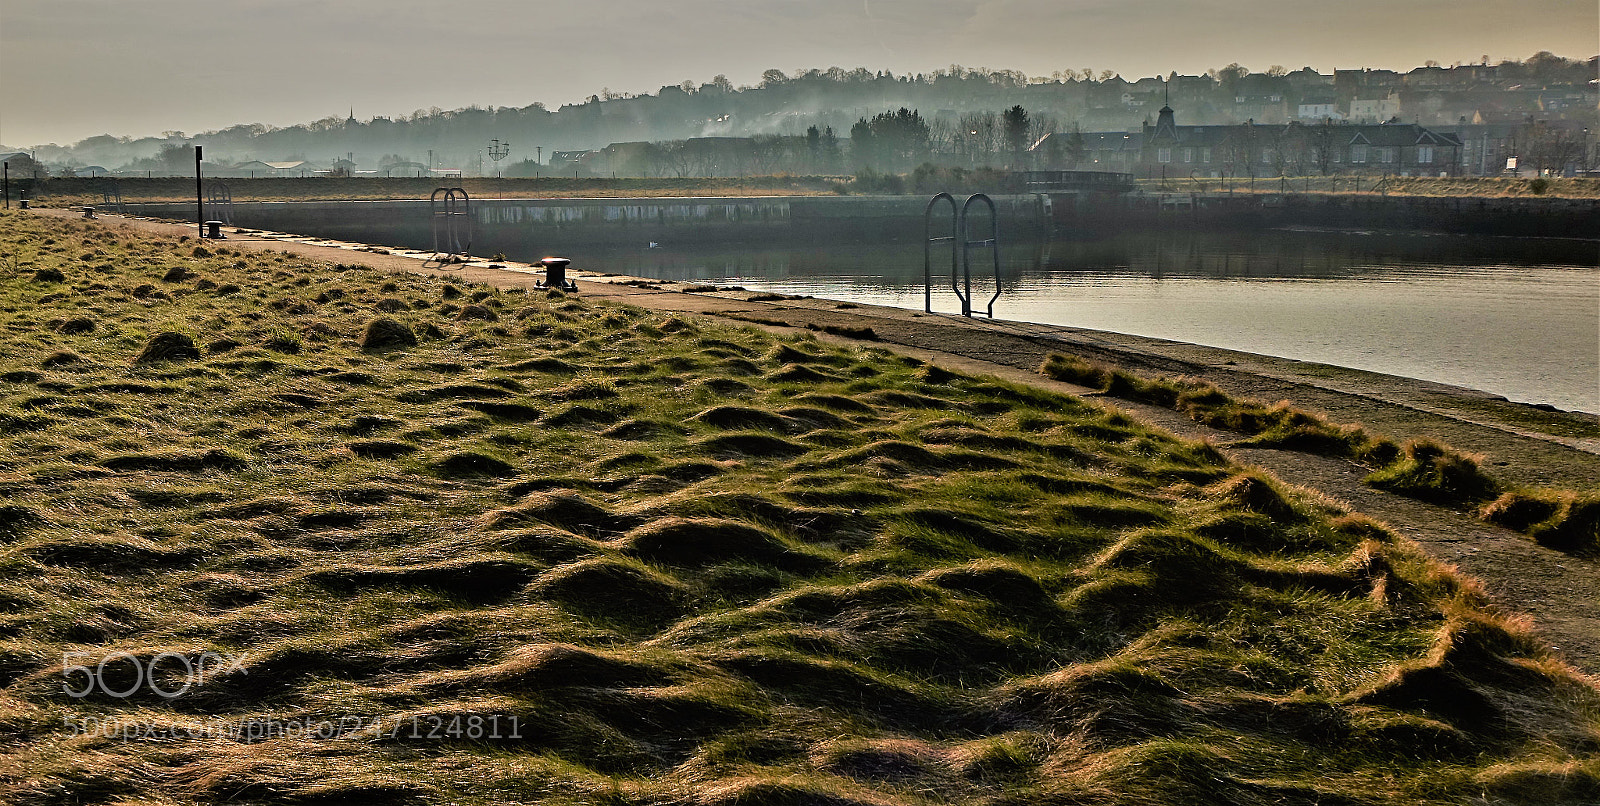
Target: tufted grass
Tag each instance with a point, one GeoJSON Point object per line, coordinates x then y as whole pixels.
{"type": "Point", "coordinates": [585, 553]}
{"type": "Point", "coordinates": [1418, 468]}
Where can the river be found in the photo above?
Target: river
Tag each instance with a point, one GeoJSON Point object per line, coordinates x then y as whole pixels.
{"type": "Point", "coordinates": [1514, 317]}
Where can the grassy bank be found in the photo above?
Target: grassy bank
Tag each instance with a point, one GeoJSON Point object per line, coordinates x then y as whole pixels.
{"type": "Point", "coordinates": [74, 192]}
{"type": "Point", "coordinates": [447, 544]}
{"type": "Point", "coordinates": [1423, 469]}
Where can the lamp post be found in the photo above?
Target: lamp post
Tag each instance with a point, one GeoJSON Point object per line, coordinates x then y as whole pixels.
{"type": "Point", "coordinates": [497, 152]}
{"type": "Point", "coordinates": [199, 196]}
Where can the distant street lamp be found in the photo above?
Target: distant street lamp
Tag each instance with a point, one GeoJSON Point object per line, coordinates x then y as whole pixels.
{"type": "Point", "coordinates": [497, 152]}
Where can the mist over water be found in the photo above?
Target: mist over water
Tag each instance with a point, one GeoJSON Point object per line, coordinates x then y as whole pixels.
{"type": "Point", "coordinates": [1514, 317]}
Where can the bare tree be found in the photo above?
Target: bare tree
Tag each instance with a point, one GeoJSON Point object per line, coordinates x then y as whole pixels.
{"type": "Point", "coordinates": [980, 136]}
{"type": "Point", "coordinates": [1040, 127]}
{"type": "Point", "coordinates": [1550, 148]}
{"type": "Point", "coordinates": [670, 158]}
{"type": "Point", "coordinates": [769, 153]}
{"type": "Point", "coordinates": [1323, 141]}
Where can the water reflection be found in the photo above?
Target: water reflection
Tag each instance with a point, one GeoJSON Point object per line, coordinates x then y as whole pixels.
{"type": "Point", "coordinates": [1516, 317]}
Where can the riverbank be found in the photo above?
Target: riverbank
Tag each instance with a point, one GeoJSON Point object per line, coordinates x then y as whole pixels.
{"type": "Point", "coordinates": [1521, 445]}
{"type": "Point", "coordinates": [372, 530]}
{"type": "Point", "coordinates": [69, 191]}
{"type": "Point", "coordinates": [431, 540]}
{"type": "Point", "coordinates": [1472, 420]}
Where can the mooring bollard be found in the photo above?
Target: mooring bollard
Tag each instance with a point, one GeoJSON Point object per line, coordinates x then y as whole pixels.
{"type": "Point", "coordinates": [555, 274]}
{"type": "Point", "coordinates": [214, 229]}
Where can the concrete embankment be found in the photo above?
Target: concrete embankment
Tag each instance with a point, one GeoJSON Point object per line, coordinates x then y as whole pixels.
{"type": "Point", "coordinates": [525, 226]}
{"type": "Point", "coordinates": [1504, 216]}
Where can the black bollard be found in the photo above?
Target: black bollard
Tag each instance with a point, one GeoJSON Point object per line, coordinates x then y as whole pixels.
{"type": "Point", "coordinates": [555, 274]}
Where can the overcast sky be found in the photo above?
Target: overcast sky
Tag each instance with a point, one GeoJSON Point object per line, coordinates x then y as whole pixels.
{"type": "Point", "coordinates": [70, 69]}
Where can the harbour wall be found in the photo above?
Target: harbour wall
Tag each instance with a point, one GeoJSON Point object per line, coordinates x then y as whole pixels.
{"type": "Point", "coordinates": [1503, 216]}
{"type": "Point", "coordinates": [524, 226]}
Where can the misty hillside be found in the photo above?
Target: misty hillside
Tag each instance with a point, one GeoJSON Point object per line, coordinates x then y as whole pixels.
{"type": "Point", "coordinates": [957, 103]}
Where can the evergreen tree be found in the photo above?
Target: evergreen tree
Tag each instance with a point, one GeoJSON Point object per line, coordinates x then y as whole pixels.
{"type": "Point", "coordinates": [1015, 123]}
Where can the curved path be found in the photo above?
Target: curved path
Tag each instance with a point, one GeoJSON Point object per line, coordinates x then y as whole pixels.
{"type": "Point", "coordinates": [1520, 444]}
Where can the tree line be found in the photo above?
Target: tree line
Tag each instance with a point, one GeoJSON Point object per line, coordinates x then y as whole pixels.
{"type": "Point", "coordinates": [875, 117]}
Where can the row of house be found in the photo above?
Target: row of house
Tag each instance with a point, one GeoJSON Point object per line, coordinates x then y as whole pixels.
{"type": "Point", "coordinates": [1476, 94]}
{"type": "Point", "coordinates": [1166, 149]}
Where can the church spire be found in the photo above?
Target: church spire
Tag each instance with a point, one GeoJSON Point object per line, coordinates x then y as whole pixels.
{"type": "Point", "coordinates": [1165, 123]}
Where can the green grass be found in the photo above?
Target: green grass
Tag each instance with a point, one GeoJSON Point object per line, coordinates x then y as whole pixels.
{"type": "Point", "coordinates": [1418, 468]}
{"type": "Point", "coordinates": [694, 564]}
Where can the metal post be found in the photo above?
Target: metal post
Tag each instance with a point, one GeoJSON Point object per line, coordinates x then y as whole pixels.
{"type": "Point", "coordinates": [199, 197]}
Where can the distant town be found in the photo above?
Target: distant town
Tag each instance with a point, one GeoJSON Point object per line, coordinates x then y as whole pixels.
{"type": "Point", "coordinates": [1530, 117]}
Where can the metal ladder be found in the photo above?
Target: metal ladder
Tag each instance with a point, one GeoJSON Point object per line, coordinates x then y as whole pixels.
{"type": "Point", "coordinates": [219, 202]}
{"type": "Point", "coordinates": [451, 223]}
{"type": "Point", "coordinates": [961, 246]}
{"type": "Point", "coordinates": [111, 192]}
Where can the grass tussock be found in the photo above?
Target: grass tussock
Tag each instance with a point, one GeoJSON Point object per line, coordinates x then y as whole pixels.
{"type": "Point", "coordinates": [1422, 468]}
{"type": "Point", "coordinates": [1564, 521]}
{"type": "Point", "coordinates": [168, 346]}
{"type": "Point", "coordinates": [562, 565]}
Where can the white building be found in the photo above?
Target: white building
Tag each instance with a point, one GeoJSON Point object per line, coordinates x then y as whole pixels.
{"type": "Point", "coordinates": [1374, 111]}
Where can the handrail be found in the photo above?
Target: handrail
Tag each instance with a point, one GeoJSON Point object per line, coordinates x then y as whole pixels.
{"type": "Point", "coordinates": [961, 246]}
{"type": "Point", "coordinates": [219, 201]}
{"type": "Point", "coordinates": [454, 207]}
{"type": "Point", "coordinates": [111, 191]}
{"type": "Point", "coordinates": [929, 241]}
{"type": "Point", "coordinates": [967, 245]}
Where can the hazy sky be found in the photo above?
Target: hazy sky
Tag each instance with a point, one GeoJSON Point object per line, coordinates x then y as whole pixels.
{"type": "Point", "coordinates": [70, 69]}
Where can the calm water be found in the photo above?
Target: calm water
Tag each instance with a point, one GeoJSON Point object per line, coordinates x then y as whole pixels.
{"type": "Point", "coordinates": [1519, 318]}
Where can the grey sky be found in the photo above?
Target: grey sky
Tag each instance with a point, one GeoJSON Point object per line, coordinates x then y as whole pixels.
{"type": "Point", "coordinates": [70, 69]}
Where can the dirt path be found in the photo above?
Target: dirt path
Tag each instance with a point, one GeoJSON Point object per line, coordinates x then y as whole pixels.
{"type": "Point", "coordinates": [1521, 444]}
